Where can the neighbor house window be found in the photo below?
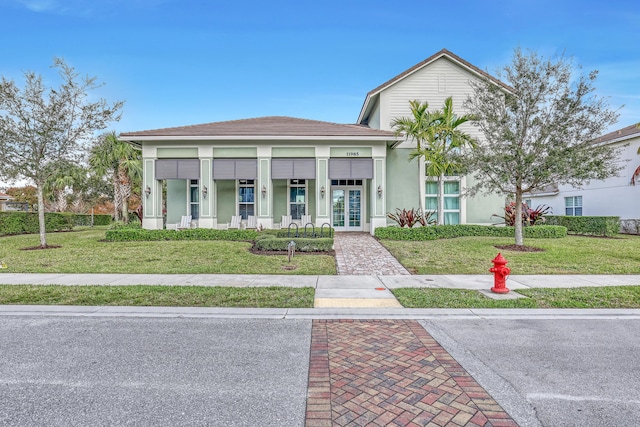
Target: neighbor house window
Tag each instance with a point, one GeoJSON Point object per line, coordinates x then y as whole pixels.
{"type": "Point", "coordinates": [246, 197]}
{"type": "Point", "coordinates": [573, 206]}
{"type": "Point", "coordinates": [194, 198]}
{"type": "Point", "coordinates": [297, 198]}
{"type": "Point", "coordinates": [451, 200]}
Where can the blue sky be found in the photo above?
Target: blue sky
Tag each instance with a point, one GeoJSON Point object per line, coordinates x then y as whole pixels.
{"type": "Point", "coordinates": [179, 62]}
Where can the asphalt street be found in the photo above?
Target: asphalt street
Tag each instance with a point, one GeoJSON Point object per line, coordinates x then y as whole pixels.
{"type": "Point", "coordinates": [58, 370]}
{"type": "Point", "coordinates": [153, 372]}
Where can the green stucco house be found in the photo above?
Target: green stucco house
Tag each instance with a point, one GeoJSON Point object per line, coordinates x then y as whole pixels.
{"type": "Point", "coordinates": [271, 171]}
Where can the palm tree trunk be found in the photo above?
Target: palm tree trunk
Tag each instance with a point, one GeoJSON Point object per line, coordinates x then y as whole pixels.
{"type": "Point", "coordinates": [441, 199]}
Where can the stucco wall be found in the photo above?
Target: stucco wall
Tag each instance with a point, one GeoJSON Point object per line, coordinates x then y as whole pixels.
{"type": "Point", "coordinates": [176, 200]}
{"type": "Point", "coordinates": [226, 200]}
{"type": "Point", "coordinates": [402, 187]}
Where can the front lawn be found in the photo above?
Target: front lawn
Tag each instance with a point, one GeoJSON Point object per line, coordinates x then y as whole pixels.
{"type": "Point", "coordinates": [605, 297]}
{"type": "Point", "coordinates": [473, 255]}
{"type": "Point", "coordinates": [83, 252]}
{"type": "Point", "coordinates": [147, 296]}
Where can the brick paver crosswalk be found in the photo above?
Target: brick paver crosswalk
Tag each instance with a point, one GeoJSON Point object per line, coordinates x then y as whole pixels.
{"type": "Point", "coordinates": [391, 372]}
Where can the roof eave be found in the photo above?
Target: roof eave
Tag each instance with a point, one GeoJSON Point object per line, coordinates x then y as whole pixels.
{"type": "Point", "coordinates": [136, 139]}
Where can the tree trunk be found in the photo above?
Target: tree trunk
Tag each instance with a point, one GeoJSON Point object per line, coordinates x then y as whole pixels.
{"type": "Point", "coordinates": [116, 199]}
{"type": "Point", "coordinates": [43, 236]}
{"type": "Point", "coordinates": [441, 199]}
{"type": "Point", "coordinates": [518, 218]}
{"type": "Point", "coordinates": [125, 192]}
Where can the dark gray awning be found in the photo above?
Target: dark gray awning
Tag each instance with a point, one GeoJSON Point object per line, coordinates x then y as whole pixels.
{"type": "Point", "coordinates": [293, 168]}
{"type": "Point", "coordinates": [350, 168]}
{"type": "Point", "coordinates": [178, 169]}
{"type": "Point", "coordinates": [235, 169]}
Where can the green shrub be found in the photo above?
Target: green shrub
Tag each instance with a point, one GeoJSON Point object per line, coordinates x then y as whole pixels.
{"type": "Point", "coordinates": [463, 230]}
{"type": "Point", "coordinates": [141, 234]}
{"type": "Point", "coordinates": [27, 222]}
{"type": "Point", "coordinates": [302, 244]}
{"type": "Point", "coordinates": [85, 220]}
{"type": "Point", "coordinates": [327, 232]}
{"type": "Point", "coordinates": [589, 225]}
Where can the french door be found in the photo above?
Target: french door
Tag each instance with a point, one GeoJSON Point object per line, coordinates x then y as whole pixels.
{"type": "Point", "coordinates": [346, 211]}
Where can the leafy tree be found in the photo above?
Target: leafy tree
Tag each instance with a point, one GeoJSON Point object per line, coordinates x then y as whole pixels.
{"type": "Point", "coordinates": [26, 194]}
{"type": "Point", "coordinates": [439, 141]}
{"type": "Point", "coordinates": [121, 164]}
{"type": "Point", "coordinates": [43, 128]}
{"type": "Point", "coordinates": [540, 131]}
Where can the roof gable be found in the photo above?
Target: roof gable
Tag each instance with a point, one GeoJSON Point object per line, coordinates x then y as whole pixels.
{"type": "Point", "coordinates": [444, 53]}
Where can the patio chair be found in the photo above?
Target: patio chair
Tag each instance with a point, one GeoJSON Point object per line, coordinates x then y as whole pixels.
{"type": "Point", "coordinates": [306, 219]}
{"type": "Point", "coordinates": [286, 220]}
{"type": "Point", "coordinates": [251, 222]}
{"type": "Point", "coordinates": [185, 222]}
{"type": "Point", "coordinates": [236, 222]}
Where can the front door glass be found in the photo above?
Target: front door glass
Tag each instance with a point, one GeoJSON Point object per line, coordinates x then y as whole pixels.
{"type": "Point", "coordinates": [338, 208]}
{"type": "Point", "coordinates": [346, 212]}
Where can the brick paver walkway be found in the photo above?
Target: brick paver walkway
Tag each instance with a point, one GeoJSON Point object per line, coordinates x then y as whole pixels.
{"type": "Point", "coordinates": [360, 253]}
{"type": "Point", "coordinates": [391, 372]}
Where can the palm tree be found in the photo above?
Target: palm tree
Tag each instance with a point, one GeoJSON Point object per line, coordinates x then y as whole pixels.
{"type": "Point", "coordinates": [67, 177]}
{"type": "Point", "coordinates": [121, 163]}
{"type": "Point", "coordinates": [438, 141]}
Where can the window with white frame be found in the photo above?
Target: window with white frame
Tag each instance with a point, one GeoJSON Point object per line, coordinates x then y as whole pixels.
{"type": "Point", "coordinates": [194, 199]}
{"type": "Point", "coordinates": [246, 197]}
{"type": "Point", "coordinates": [451, 200]}
{"type": "Point", "coordinates": [297, 198]}
{"type": "Point", "coordinates": [573, 206]}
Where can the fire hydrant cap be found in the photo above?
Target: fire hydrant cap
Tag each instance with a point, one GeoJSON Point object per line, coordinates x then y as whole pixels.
{"type": "Point", "coordinates": [499, 259]}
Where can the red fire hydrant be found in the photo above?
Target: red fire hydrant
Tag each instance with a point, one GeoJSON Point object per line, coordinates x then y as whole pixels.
{"type": "Point", "coordinates": [500, 272]}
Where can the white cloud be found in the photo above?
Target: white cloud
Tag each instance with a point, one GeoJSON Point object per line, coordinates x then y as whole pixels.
{"type": "Point", "coordinates": [39, 5]}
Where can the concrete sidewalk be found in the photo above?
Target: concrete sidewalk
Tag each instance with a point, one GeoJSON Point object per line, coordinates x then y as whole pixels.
{"type": "Point", "coordinates": [469, 281]}
{"type": "Point", "coordinates": [332, 292]}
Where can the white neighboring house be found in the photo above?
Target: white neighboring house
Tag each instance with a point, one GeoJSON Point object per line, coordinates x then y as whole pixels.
{"type": "Point", "coordinates": [617, 196]}
{"type": "Point", "coordinates": [3, 199]}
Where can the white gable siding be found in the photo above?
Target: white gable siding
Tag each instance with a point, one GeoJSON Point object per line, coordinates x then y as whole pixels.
{"type": "Point", "coordinates": [374, 118]}
{"type": "Point", "coordinates": [433, 83]}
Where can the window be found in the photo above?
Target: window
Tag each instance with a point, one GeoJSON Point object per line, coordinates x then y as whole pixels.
{"type": "Point", "coordinates": [573, 206]}
{"type": "Point", "coordinates": [246, 197]}
{"type": "Point", "coordinates": [451, 200]}
{"type": "Point", "coordinates": [194, 199]}
{"type": "Point", "coordinates": [297, 198]}
{"type": "Point", "coordinates": [346, 182]}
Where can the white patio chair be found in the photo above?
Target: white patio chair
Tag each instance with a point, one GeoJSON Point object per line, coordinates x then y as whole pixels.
{"type": "Point", "coordinates": [251, 222]}
{"type": "Point", "coordinates": [286, 220]}
{"type": "Point", "coordinates": [185, 222]}
{"type": "Point", "coordinates": [236, 222]}
{"type": "Point", "coordinates": [306, 219]}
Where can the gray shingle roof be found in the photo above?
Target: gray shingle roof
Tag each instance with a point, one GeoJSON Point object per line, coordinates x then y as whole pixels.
{"type": "Point", "coordinates": [264, 126]}
{"type": "Point", "coordinates": [624, 133]}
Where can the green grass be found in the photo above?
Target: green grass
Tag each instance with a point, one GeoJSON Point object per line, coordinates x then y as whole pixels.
{"type": "Point", "coordinates": [473, 255]}
{"type": "Point", "coordinates": [82, 252]}
{"type": "Point", "coordinates": [605, 297]}
{"type": "Point", "coordinates": [176, 296]}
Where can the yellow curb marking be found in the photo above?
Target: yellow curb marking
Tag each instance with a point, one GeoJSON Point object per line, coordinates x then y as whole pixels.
{"type": "Point", "coordinates": [356, 302]}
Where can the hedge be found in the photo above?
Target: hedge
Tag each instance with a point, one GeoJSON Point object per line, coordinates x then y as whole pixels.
{"type": "Point", "coordinates": [27, 222]}
{"type": "Point", "coordinates": [140, 234]}
{"type": "Point", "coordinates": [327, 232]}
{"type": "Point", "coordinates": [588, 225]}
{"type": "Point", "coordinates": [271, 243]}
{"type": "Point", "coordinates": [463, 230]}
